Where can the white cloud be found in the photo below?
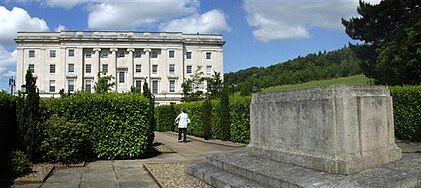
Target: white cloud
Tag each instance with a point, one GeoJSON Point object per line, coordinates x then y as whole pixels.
{"type": "Point", "coordinates": [16, 20]}
{"type": "Point", "coordinates": [210, 22]}
{"type": "Point", "coordinates": [134, 13]}
{"type": "Point", "coordinates": [7, 58]}
{"type": "Point", "coordinates": [292, 19]}
{"type": "Point", "coordinates": [59, 28]}
{"type": "Point", "coordinates": [9, 74]}
{"type": "Point", "coordinates": [67, 4]}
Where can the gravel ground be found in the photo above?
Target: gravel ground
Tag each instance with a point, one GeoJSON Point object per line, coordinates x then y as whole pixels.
{"type": "Point", "coordinates": [172, 175]}
{"type": "Point", "coordinates": [39, 171]}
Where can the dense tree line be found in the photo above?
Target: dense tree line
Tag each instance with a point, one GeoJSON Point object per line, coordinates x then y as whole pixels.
{"type": "Point", "coordinates": [315, 66]}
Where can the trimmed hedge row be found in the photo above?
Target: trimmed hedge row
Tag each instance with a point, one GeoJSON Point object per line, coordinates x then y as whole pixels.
{"type": "Point", "coordinates": [118, 124]}
{"type": "Point", "coordinates": [165, 116]}
{"type": "Point", "coordinates": [9, 132]}
{"type": "Point", "coordinates": [407, 112]}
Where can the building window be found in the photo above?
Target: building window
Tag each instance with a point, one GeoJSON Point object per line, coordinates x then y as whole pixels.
{"type": "Point", "coordinates": [71, 53]}
{"type": "Point", "coordinates": [121, 77]}
{"type": "Point", "coordinates": [32, 68]}
{"type": "Point", "coordinates": [71, 68]}
{"type": "Point", "coordinates": [208, 69]}
{"type": "Point", "coordinates": [138, 85]}
{"type": "Point", "coordinates": [104, 53]}
{"type": "Point", "coordinates": [208, 55]}
{"type": "Point", "coordinates": [154, 69]}
{"type": "Point", "coordinates": [52, 68]}
{"type": "Point", "coordinates": [88, 54]}
{"type": "Point", "coordinates": [31, 53]}
{"type": "Point", "coordinates": [172, 68]}
{"type": "Point", "coordinates": [52, 53]}
{"type": "Point", "coordinates": [137, 54]}
{"type": "Point", "coordinates": [104, 68]}
{"type": "Point", "coordinates": [88, 68]}
{"type": "Point", "coordinates": [138, 68]}
{"type": "Point", "coordinates": [154, 86]}
{"type": "Point", "coordinates": [189, 69]}
{"type": "Point", "coordinates": [120, 54]}
{"type": "Point", "coordinates": [52, 86]}
{"type": "Point", "coordinates": [154, 54]}
{"type": "Point", "coordinates": [188, 55]}
{"type": "Point", "coordinates": [172, 86]}
{"type": "Point", "coordinates": [171, 54]}
{"type": "Point", "coordinates": [70, 85]}
{"type": "Point", "coordinates": [88, 86]}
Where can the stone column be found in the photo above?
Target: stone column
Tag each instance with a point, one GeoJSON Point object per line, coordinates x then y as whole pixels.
{"type": "Point", "coordinates": [97, 60]}
{"type": "Point", "coordinates": [113, 67]}
{"type": "Point", "coordinates": [149, 69]}
{"type": "Point", "coordinates": [130, 71]}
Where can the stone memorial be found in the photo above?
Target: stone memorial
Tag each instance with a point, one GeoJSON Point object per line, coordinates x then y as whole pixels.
{"type": "Point", "coordinates": [335, 136]}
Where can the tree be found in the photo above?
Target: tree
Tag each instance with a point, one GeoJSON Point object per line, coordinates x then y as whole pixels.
{"type": "Point", "coordinates": [206, 118]}
{"type": "Point", "coordinates": [224, 114]}
{"type": "Point", "coordinates": [391, 34]}
{"type": "Point", "coordinates": [215, 85]}
{"type": "Point", "coordinates": [192, 87]}
{"type": "Point", "coordinates": [29, 119]}
{"type": "Point", "coordinates": [147, 93]}
{"type": "Point", "coordinates": [103, 84]}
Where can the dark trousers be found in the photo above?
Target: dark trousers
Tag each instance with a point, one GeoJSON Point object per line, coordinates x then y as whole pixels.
{"type": "Point", "coordinates": [182, 131]}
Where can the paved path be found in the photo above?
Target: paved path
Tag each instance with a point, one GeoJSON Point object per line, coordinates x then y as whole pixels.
{"type": "Point", "coordinates": [129, 173]}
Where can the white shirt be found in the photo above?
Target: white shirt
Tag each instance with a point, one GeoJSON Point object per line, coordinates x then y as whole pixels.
{"type": "Point", "coordinates": [183, 120]}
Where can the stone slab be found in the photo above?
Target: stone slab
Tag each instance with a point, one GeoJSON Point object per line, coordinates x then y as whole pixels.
{"type": "Point", "coordinates": [403, 173]}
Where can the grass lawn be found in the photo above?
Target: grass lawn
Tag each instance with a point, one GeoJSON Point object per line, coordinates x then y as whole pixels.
{"type": "Point", "coordinates": [352, 80]}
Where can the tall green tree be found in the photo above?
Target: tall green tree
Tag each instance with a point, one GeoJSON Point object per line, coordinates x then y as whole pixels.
{"type": "Point", "coordinates": [390, 31]}
{"type": "Point", "coordinates": [224, 114]}
{"type": "Point", "coordinates": [103, 84]}
{"type": "Point", "coordinates": [206, 118]}
{"type": "Point", "coordinates": [147, 93]}
{"type": "Point", "coordinates": [192, 87]}
{"type": "Point", "coordinates": [215, 85]}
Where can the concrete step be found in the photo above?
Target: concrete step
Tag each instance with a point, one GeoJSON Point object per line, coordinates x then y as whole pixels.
{"type": "Point", "coordinates": [219, 178]}
{"type": "Point", "coordinates": [268, 173]}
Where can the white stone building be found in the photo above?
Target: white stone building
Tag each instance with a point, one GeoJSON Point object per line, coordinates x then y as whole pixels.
{"type": "Point", "coordinates": [70, 60]}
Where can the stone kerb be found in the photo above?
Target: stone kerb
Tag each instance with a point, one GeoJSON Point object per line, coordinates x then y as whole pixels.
{"type": "Point", "coordinates": [337, 129]}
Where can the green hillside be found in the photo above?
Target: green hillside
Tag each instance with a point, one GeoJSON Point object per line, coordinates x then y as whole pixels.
{"type": "Point", "coordinates": [354, 80]}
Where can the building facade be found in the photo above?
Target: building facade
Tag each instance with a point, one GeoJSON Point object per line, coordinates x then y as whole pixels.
{"type": "Point", "coordinates": [71, 60]}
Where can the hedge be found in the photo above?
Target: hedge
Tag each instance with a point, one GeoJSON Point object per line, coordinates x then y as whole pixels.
{"type": "Point", "coordinates": [118, 124]}
{"type": "Point", "coordinates": [165, 116]}
{"type": "Point", "coordinates": [9, 132]}
{"type": "Point", "coordinates": [407, 112]}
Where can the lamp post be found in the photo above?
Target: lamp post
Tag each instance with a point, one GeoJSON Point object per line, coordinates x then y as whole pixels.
{"type": "Point", "coordinates": [12, 84]}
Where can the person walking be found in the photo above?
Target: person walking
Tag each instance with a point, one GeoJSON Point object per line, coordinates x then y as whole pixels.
{"type": "Point", "coordinates": [182, 120]}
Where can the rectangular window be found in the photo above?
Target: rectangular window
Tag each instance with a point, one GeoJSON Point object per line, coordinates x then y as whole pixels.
{"type": "Point", "coordinates": [137, 54]}
{"type": "Point", "coordinates": [138, 68]}
{"type": "Point", "coordinates": [138, 85]}
{"type": "Point", "coordinates": [104, 68]}
{"type": "Point", "coordinates": [172, 68]}
{"type": "Point", "coordinates": [70, 85]}
{"type": "Point", "coordinates": [88, 86]}
{"type": "Point", "coordinates": [71, 68]}
{"type": "Point", "coordinates": [154, 69]}
{"type": "Point", "coordinates": [71, 53]}
{"type": "Point", "coordinates": [52, 86]}
{"type": "Point", "coordinates": [172, 86]}
{"type": "Point", "coordinates": [31, 53]}
{"type": "Point", "coordinates": [154, 54]}
{"type": "Point", "coordinates": [104, 53]}
{"type": "Point", "coordinates": [208, 55]}
{"type": "Point", "coordinates": [188, 55]}
{"type": "Point", "coordinates": [120, 54]}
{"type": "Point", "coordinates": [52, 68]}
{"type": "Point", "coordinates": [154, 86]}
{"type": "Point", "coordinates": [208, 69]}
{"type": "Point", "coordinates": [88, 68]}
{"type": "Point", "coordinates": [52, 53]}
{"type": "Point", "coordinates": [189, 69]}
{"type": "Point", "coordinates": [121, 76]}
{"type": "Point", "coordinates": [88, 54]}
{"type": "Point", "coordinates": [171, 54]}
{"type": "Point", "coordinates": [32, 68]}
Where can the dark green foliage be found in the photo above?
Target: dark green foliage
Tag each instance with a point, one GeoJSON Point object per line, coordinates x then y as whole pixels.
{"type": "Point", "coordinates": [104, 84]}
{"type": "Point", "coordinates": [215, 85]}
{"type": "Point", "coordinates": [407, 112]}
{"type": "Point", "coordinates": [191, 87]}
{"type": "Point", "coordinates": [118, 124]}
{"type": "Point", "coordinates": [194, 110]}
{"type": "Point", "coordinates": [9, 132]}
{"type": "Point", "coordinates": [240, 119]}
{"type": "Point", "coordinates": [165, 116]}
{"type": "Point", "coordinates": [65, 141]}
{"type": "Point", "coordinates": [29, 119]}
{"type": "Point", "coordinates": [19, 163]}
{"type": "Point", "coordinates": [391, 31]}
{"type": "Point", "coordinates": [324, 65]}
{"type": "Point", "coordinates": [147, 93]}
{"type": "Point", "coordinates": [206, 118]}
{"type": "Point", "coordinates": [225, 115]}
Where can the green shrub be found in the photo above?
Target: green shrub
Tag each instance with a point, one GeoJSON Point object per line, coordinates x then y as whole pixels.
{"type": "Point", "coordinates": [194, 110]}
{"type": "Point", "coordinates": [165, 116]}
{"type": "Point", "coordinates": [9, 132]}
{"type": "Point", "coordinates": [19, 163]}
{"type": "Point", "coordinates": [225, 115]}
{"type": "Point", "coordinates": [407, 112]}
{"type": "Point", "coordinates": [240, 119]}
{"type": "Point", "coordinates": [118, 124]}
{"type": "Point", "coordinates": [206, 118]}
{"type": "Point", "coordinates": [65, 141]}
